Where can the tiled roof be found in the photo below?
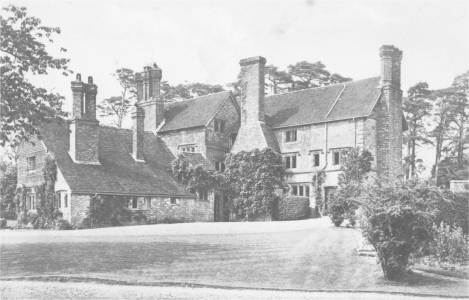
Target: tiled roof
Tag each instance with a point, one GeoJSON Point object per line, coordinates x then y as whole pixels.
{"type": "Point", "coordinates": [194, 112]}
{"type": "Point", "coordinates": [316, 105]}
{"type": "Point", "coordinates": [118, 173]}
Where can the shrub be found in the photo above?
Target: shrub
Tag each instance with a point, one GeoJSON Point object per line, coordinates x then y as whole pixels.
{"type": "Point", "coordinates": [293, 208]}
{"type": "Point", "coordinates": [3, 223]}
{"type": "Point", "coordinates": [337, 213]}
{"type": "Point", "coordinates": [449, 245]}
{"type": "Point", "coordinates": [106, 210]}
{"type": "Point", "coordinates": [396, 224]}
{"type": "Point", "coordinates": [62, 224]}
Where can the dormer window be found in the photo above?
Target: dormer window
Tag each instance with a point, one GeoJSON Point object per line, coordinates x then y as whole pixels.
{"type": "Point", "coordinates": [219, 166]}
{"type": "Point", "coordinates": [188, 148]}
{"type": "Point", "coordinates": [290, 136]}
{"type": "Point", "coordinates": [219, 125]}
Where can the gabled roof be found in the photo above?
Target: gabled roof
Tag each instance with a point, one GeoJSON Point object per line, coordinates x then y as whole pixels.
{"type": "Point", "coordinates": [335, 102]}
{"type": "Point", "coordinates": [118, 172]}
{"type": "Point", "coordinates": [192, 113]}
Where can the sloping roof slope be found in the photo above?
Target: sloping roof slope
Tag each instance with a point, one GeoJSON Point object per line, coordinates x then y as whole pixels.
{"type": "Point", "coordinates": [118, 173]}
{"type": "Point", "coordinates": [316, 105]}
{"type": "Point", "coordinates": [194, 112]}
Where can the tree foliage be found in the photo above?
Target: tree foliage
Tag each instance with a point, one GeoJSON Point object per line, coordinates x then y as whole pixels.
{"type": "Point", "coordinates": [8, 182]}
{"type": "Point", "coordinates": [253, 178]}
{"type": "Point", "coordinates": [305, 75]}
{"type": "Point", "coordinates": [24, 45]}
{"type": "Point", "coordinates": [398, 222]}
{"type": "Point", "coordinates": [174, 93]}
{"type": "Point", "coordinates": [355, 166]}
{"type": "Point", "coordinates": [417, 107]}
{"type": "Point", "coordinates": [119, 106]}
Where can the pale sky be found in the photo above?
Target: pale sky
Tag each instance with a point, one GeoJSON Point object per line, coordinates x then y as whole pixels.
{"type": "Point", "coordinates": [204, 40]}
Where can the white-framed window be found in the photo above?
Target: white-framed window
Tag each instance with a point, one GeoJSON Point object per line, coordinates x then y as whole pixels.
{"type": "Point", "coordinates": [31, 163]}
{"type": "Point", "coordinates": [173, 200]}
{"type": "Point", "coordinates": [336, 158]}
{"type": "Point", "coordinates": [133, 203]}
{"type": "Point", "coordinates": [188, 148]}
{"type": "Point", "coordinates": [219, 125]}
{"type": "Point", "coordinates": [219, 166]}
{"type": "Point", "coordinates": [316, 159]}
{"type": "Point", "coordinates": [147, 202]}
{"type": "Point", "coordinates": [290, 161]}
{"type": "Point", "coordinates": [290, 136]}
{"type": "Point", "coordinates": [300, 190]}
{"type": "Point", "coordinates": [203, 195]}
{"type": "Point", "coordinates": [31, 201]}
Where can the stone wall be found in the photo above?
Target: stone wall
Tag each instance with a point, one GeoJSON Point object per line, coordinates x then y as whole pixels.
{"type": "Point", "coordinates": [175, 139]}
{"type": "Point", "coordinates": [184, 210]}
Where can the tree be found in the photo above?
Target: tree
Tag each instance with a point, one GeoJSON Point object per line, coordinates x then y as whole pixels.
{"type": "Point", "coordinates": [440, 130]}
{"type": "Point", "coordinates": [8, 182]}
{"type": "Point", "coordinates": [23, 43]}
{"type": "Point", "coordinates": [119, 106]}
{"type": "Point", "coordinates": [459, 116]}
{"type": "Point", "coordinates": [416, 108]}
{"type": "Point", "coordinates": [356, 164]}
{"type": "Point", "coordinates": [276, 81]}
{"type": "Point", "coordinates": [185, 91]}
{"type": "Point", "coordinates": [309, 75]}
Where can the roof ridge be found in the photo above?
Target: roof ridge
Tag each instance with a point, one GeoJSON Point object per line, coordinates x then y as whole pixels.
{"type": "Point", "coordinates": [199, 97]}
{"type": "Point", "coordinates": [323, 87]}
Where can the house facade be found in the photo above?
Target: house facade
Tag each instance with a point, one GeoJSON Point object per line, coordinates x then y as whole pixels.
{"type": "Point", "coordinates": [309, 128]}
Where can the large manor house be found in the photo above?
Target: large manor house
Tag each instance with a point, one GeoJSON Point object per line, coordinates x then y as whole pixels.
{"type": "Point", "coordinates": [310, 128]}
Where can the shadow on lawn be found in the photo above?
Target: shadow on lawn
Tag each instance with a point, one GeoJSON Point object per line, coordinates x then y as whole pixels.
{"type": "Point", "coordinates": [415, 279]}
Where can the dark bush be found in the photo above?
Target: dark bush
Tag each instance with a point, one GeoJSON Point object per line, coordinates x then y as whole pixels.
{"type": "Point", "coordinates": [62, 224]}
{"type": "Point", "coordinates": [106, 210]}
{"type": "Point", "coordinates": [171, 220]}
{"type": "Point", "coordinates": [293, 208]}
{"type": "Point", "coordinates": [397, 224]}
{"type": "Point", "coordinates": [337, 213]}
{"type": "Point", "coordinates": [3, 223]}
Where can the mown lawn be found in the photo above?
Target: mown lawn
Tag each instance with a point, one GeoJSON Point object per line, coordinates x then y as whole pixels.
{"type": "Point", "coordinates": [312, 255]}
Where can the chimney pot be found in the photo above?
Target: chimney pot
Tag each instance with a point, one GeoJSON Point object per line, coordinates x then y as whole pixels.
{"type": "Point", "coordinates": [78, 77]}
{"type": "Point", "coordinates": [90, 79]}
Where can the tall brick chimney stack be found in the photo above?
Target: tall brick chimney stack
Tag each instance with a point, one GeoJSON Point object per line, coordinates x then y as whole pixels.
{"type": "Point", "coordinates": [84, 127]}
{"type": "Point", "coordinates": [138, 133]}
{"type": "Point", "coordinates": [251, 134]}
{"type": "Point", "coordinates": [389, 115]}
{"type": "Point", "coordinates": [148, 96]}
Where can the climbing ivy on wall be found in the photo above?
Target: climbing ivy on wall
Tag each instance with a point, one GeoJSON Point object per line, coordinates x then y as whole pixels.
{"type": "Point", "coordinates": [46, 216]}
{"type": "Point", "coordinates": [318, 180]}
{"type": "Point", "coordinates": [253, 178]}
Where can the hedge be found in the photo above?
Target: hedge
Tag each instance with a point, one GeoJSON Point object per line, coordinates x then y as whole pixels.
{"type": "Point", "coordinates": [293, 208]}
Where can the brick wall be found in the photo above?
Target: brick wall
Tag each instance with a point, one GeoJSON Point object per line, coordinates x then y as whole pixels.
{"type": "Point", "coordinates": [84, 140]}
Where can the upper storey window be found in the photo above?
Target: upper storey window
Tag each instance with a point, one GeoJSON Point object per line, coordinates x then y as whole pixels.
{"type": "Point", "coordinates": [290, 161]}
{"type": "Point", "coordinates": [188, 148]}
{"type": "Point", "coordinates": [219, 125]}
{"type": "Point", "coordinates": [31, 163]}
{"type": "Point", "coordinates": [290, 136]}
{"type": "Point", "coordinates": [336, 158]}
